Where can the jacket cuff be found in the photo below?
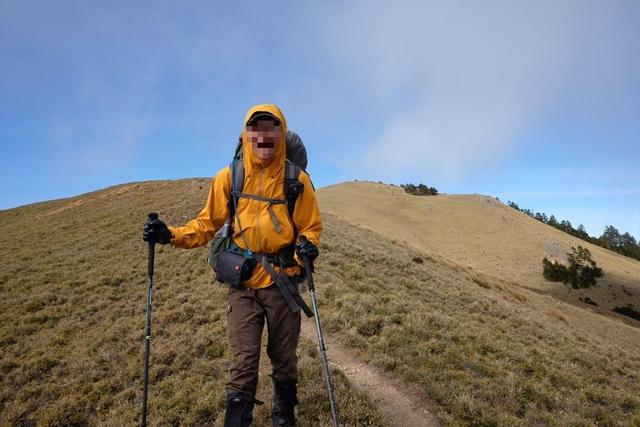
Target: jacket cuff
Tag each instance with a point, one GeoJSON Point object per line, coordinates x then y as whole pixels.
{"type": "Point", "coordinates": [311, 239]}
{"type": "Point", "coordinates": [177, 236]}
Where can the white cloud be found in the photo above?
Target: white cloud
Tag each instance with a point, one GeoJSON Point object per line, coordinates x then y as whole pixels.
{"type": "Point", "coordinates": [447, 87]}
{"type": "Point", "coordinates": [454, 84]}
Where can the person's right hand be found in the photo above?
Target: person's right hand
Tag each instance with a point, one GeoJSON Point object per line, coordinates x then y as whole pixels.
{"type": "Point", "coordinates": [156, 231]}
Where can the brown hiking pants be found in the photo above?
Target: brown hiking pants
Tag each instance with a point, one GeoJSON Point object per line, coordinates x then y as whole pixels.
{"type": "Point", "coordinates": [246, 313]}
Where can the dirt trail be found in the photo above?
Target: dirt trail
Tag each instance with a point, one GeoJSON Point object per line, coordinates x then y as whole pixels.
{"type": "Point", "coordinates": [401, 404]}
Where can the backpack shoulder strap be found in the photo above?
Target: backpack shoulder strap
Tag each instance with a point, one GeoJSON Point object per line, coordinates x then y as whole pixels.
{"type": "Point", "coordinates": [237, 183]}
{"type": "Point", "coordinates": [292, 185]}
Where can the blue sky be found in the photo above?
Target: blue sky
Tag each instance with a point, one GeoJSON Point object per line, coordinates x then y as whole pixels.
{"type": "Point", "coordinates": [535, 102]}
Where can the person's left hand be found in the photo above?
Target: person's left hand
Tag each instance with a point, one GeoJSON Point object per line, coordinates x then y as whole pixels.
{"type": "Point", "coordinates": [304, 248]}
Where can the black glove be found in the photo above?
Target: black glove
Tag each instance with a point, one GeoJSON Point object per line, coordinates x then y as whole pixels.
{"type": "Point", "coordinates": [304, 247]}
{"type": "Point", "coordinates": [156, 231]}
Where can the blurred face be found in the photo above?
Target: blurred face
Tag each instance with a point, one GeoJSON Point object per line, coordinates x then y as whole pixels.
{"type": "Point", "coordinates": [264, 136]}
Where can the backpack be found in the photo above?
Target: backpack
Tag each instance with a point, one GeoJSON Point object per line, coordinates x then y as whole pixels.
{"type": "Point", "coordinates": [296, 161]}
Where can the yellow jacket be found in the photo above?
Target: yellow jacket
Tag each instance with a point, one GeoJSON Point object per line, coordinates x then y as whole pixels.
{"type": "Point", "coordinates": [261, 179]}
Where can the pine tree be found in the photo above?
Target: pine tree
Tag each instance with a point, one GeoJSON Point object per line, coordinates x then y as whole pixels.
{"type": "Point", "coordinates": [611, 237]}
{"type": "Point", "coordinates": [582, 271]}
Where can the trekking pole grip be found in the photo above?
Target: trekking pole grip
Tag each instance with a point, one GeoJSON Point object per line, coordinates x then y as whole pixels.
{"type": "Point", "coordinates": [308, 267]}
{"type": "Point", "coordinates": [152, 218]}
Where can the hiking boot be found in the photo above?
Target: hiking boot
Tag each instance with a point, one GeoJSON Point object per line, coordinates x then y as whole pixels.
{"type": "Point", "coordinates": [284, 401]}
{"type": "Point", "coordinates": [239, 411]}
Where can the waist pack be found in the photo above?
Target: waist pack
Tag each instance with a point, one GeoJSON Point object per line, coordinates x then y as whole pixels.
{"type": "Point", "coordinates": [231, 263]}
{"type": "Point", "coordinates": [233, 268]}
{"type": "Point", "coordinates": [228, 260]}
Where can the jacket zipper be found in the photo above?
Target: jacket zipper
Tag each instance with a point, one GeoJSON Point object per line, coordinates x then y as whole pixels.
{"type": "Point", "coordinates": [261, 192]}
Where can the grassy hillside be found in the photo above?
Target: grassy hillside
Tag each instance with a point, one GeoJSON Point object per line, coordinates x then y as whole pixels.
{"type": "Point", "coordinates": [487, 350]}
{"type": "Point", "coordinates": [486, 235]}
{"type": "Point", "coordinates": [72, 300]}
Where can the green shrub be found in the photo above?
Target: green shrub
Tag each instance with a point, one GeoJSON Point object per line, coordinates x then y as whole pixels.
{"type": "Point", "coordinates": [419, 190]}
{"type": "Point", "coordinates": [582, 271]}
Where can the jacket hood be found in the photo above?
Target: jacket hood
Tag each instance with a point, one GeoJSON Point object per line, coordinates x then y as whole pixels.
{"type": "Point", "coordinates": [250, 157]}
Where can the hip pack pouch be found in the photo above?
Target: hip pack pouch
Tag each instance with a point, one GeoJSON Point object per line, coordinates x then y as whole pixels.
{"type": "Point", "coordinates": [227, 259]}
{"type": "Point", "coordinates": [233, 268]}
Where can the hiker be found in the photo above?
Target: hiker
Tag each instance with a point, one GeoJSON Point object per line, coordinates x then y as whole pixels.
{"type": "Point", "coordinates": [269, 231]}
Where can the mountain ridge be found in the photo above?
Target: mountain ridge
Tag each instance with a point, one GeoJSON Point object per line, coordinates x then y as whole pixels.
{"type": "Point", "coordinates": [482, 233]}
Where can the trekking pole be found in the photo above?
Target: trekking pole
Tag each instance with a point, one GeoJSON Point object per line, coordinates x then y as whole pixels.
{"type": "Point", "coordinates": [308, 266]}
{"type": "Point", "coordinates": [147, 333]}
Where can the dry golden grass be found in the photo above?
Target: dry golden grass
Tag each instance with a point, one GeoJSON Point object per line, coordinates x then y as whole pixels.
{"type": "Point", "coordinates": [487, 349]}
{"type": "Point", "coordinates": [72, 301]}
{"type": "Point", "coordinates": [483, 234]}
